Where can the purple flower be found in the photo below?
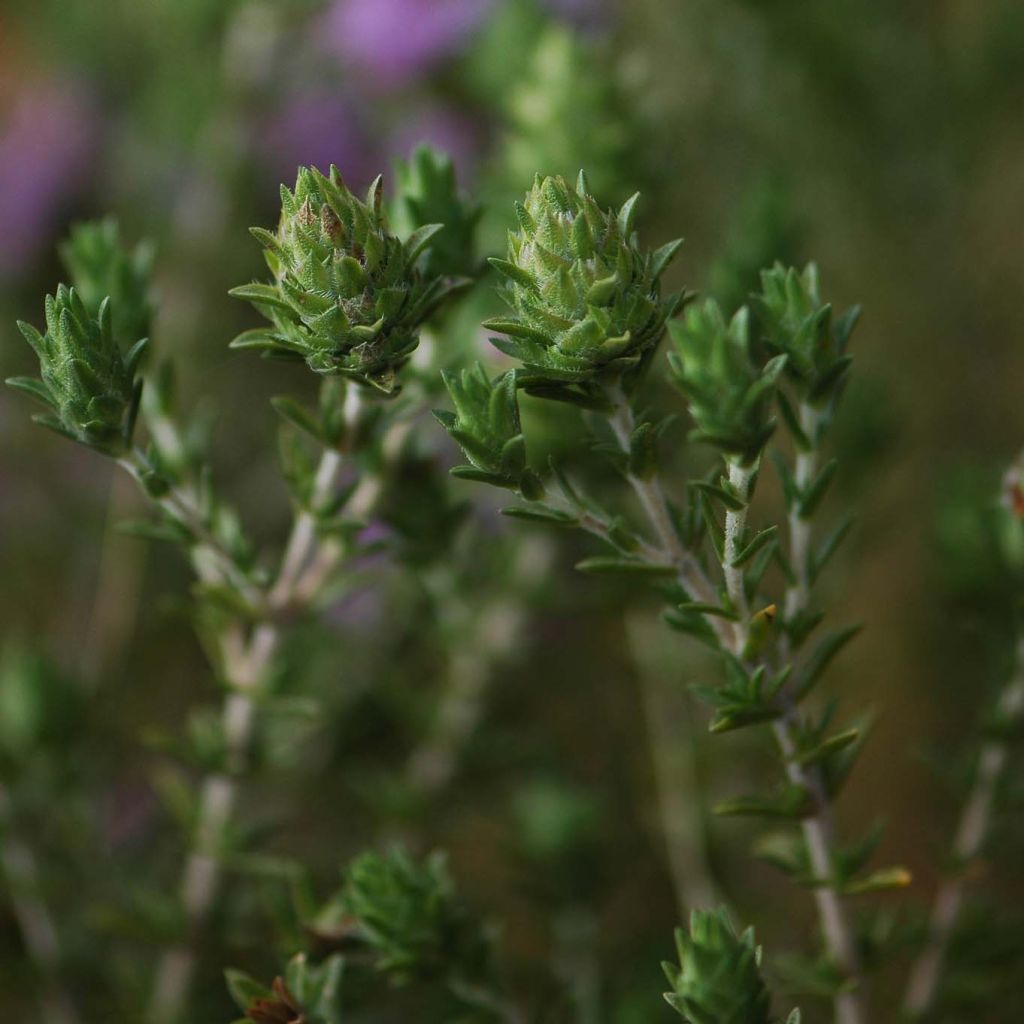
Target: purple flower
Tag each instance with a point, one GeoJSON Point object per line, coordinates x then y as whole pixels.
{"type": "Point", "coordinates": [395, 41]}
{"type": "Point", "coordinates": [46, 142]}
{"type": "Point", "coordinates": [444, 128]}
{"type": "Point", "coordinates": [315, 130]}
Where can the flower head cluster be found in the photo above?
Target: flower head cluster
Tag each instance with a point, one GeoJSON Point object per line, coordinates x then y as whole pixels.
{"type": "Point", "coordinates": [348, 296]}
{"type": "Point", "coordinates": [87, 382]}
{"type": "Point", "coordinates": [718, 979]}
{"type": "Point", "coordinates": [585, 297]}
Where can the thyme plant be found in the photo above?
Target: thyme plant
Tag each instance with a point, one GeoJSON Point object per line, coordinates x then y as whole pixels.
{"type": "Point", "coordinates": [353, 287]}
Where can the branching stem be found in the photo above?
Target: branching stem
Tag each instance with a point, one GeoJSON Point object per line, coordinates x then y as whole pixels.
{"type": "Point", "coordinates": [245, 662]}
{"type": "Point", "coordinates": [971, 833]}
{"type": "Point", "coordinates": [656, 507]}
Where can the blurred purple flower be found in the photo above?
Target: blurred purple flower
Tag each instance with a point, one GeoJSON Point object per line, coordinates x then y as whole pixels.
{"type": "Point", "coordinates": [318, 129]}
{"type": "Point", "coordinates": [445, 128]}
{"type": "Point", "coordinates": [594, 15]}
{"type": "Point", "coordinates": [46, 143]}
{"type": "Point", "coordinates": [395, 41]}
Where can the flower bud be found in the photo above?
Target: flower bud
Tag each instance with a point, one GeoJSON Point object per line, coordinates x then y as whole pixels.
{"type": "Point", "coordinates": [486, 427]}
{"type": "Point", "coordinates": [729, 396]}
{"type": "Point", "coordinates": [799, 325]}
{"type": "Point", "coordinates": [428, 194]}
{"type": "Point", "coordinates": [347, 295]}
{"type": "Point", "coordinates": [101, 266]}
{"type": "Point", "coordinates": [86, 381]}
{"type": "Point", "coordinates": [585, 297]}
{"type": "Point", "coordinates": [718, 980]}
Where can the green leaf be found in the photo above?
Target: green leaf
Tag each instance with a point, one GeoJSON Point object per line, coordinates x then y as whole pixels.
{"type": "Point", "coordinates": [726, 496]}
{"type": "Point", "coordinates": [728, 720]}
{"type": "Point", "coordinates": [792, 421]}
{"type": "Point", "coordinates": [33, 388]}
{"type": "Point", "coordinates": [823, 750]}
{"type": "Point", "coordinates": [263, 294]}
{"type": "Point", "coordinates": [541, 514]}
{"type": "Point", "coordinates": [811, 497]}
{"type": "Point", "coordinates": [821, 656]}
{"type": "Point", "coordinates": [295, 413]}
{"type": "Point", "coordinates": [610, 565]}
{"type": "Point", "coordinates": [244, 989]}
{"type": "Point", "coordinates": [755, 545]}
{"type": "Point", "coordinates": [513, 273]}
{"type": "Point", "coordinates": [793, 802]}
{"type": "Point", "coordinates": [829, 546]}
{"type": "Point", "coordinates": [882, 880]}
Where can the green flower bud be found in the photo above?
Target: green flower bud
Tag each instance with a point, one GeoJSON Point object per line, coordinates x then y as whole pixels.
{"type": "Point", "coordinates": [486, 427]}
{"type": "Point", "coordinates": [39, 708]}
{"type": "Point", "coordinates": [729, 396]}
{"type": "Point", "coordinates": [718, 980]}
{"type": "Point", "coordinates": [407, 912]}
{"type": "Point", "coordinates": [797, 323]}
{"type": "Point", "coordinates": [86, 381]}
{"type": "Point", "coordinates": [428, 194]}
{"type": "Point", "coordinates": [585, 297]}
{"type": "Point", "coordinates": [100, 265]}
{"type": "Point", "coordinates": [348, 297]}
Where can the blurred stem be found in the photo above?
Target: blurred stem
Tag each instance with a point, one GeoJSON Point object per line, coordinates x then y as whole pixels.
{"type": "Point", "coordinates": [672, 742]}
{"type": "Point", "coordinates": [246, 660]}
{"type": "Point", "coordinates": [969, 839]}
{"type": "Point", "coordinates": [115, 601]}
{"type": "Point", "coordinates": [38, 930]}
{"type": "Point", "coordinates": [488, 635]}
{"type": "Point", "coordinates": [818, 828]}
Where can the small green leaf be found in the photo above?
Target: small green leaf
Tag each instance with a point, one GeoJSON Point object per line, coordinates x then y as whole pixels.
{"type": "Point", "coordinates": [882, 880]}
{"type": "Point", "coordinates": [293, 412]}
{"type": "Point", "coordinates": [726, 496]}
{"type": "Point", "coordinates": [811, 498]}
{"type": "Point", "coordinates": [755, 545]}
{"type": "Point", "coordinates": [244, 989]}
{"type": "Point", "coordinates": [541, 514]}
{"type": "Point", "coordinates": [820, 658]}
{"type": "Point", "coordinates": [610, 565]}
{"type": "Point", "coordinates": [794, 802]}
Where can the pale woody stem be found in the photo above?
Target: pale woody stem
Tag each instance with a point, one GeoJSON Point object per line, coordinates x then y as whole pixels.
{"type": "Point", "coordinates": [799, 592]}
{"type": "Point", "coordinates": [818, 829]}
{"type": "Point", "coordinates": [38, 931]}
{"type": "Point", "coordinates": [971, 832]}
{"type": "Point", "coordinates": [494, 630]}
{"type": "Point", "coordinates": [246, 661]}
{"type": "Point", "coordinates": [740, 478]}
